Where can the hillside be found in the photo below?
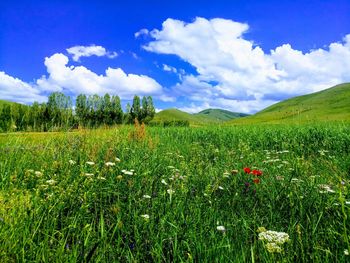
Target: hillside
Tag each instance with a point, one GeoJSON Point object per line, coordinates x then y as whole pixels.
{"type": "Point", "coordinates": [220, 115]}
{"type": "Point", "coordinates": [175, 114]}
{"type": "Point", "coordinates": [332, 104]}
{"type": "Point", "coordinates": [5, 102]}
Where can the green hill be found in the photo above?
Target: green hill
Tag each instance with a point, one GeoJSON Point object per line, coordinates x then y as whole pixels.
{"type": "Point", "coordinates": [177, 115]}
{"type": "Point", "coordinates": [209, 116]}
{"type": "Point", "coordinates": [332, 104]}
{"type": "Point", "coordinates": [220, 115]}
{"type": "Point", "coordinates": [5, 102]}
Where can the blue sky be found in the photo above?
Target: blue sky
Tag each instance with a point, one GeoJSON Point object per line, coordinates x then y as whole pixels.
{"type": "Point", "coordinates": [236, 55]}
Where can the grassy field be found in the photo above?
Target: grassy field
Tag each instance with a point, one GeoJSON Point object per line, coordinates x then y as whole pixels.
{"type": "Point", "coordinates": [176, 195]}
{"type": "Point", "coordinates": [330, 105]}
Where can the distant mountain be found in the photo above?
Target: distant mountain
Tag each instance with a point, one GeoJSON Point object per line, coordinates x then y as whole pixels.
{"type": "Point", "coordinates": [332, 104]}
{"type": "Point", "coordinates": [209, 116]}
{"type": "Point", "coordinates": [220, 115]}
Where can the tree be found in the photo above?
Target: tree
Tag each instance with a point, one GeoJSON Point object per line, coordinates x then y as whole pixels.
{"type": "Point", "coordinates": [117, 111]}
{"type": "Point", "coordinates": [81, 109]}
{"type": "Point", "coordinates": [150, 108]}
{"type": "Point", "coordinates": [144, 109]}
{"type": "Point", "coordinates": [107, 110]}
{"type": "Point", "coordinates": [5, 118]}
{"type": "Point", "coordinates": [135, 111]}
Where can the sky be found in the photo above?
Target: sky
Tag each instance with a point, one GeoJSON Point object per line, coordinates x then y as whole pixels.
{"type": "Point", "coordinates": [238, 55]}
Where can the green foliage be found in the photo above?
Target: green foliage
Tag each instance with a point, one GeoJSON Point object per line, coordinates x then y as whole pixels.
{"type": "Point", "coordinates": [165, 196]}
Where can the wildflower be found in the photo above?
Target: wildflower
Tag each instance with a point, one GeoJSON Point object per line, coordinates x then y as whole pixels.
{"type": "Point", "coordinates": [257, 172]}
{"type": "Point", "coordinates": [117, 159]}
{"type": "Point", "coordinates": [170, 191]}
{"type": "Point", "coordinates": [145, 216]}
{"type": "Point", "coordinates": [247, 170]}
{"type": "Point", "coordinates": [325, 188]}
{"type": "Point", "coordinates": [296, 180]}
{"type": "Point", "coordinates": [171, 167]}
{"type": "Point", "coordinates": [101, 178]}
{"type": "Point", "coordinates": [221, 188]}
{"type": "Point", "coordinates": [119, 177]}
{"type": "Point", "coordinates": [90, 163]}
{"type": "Point", "coordinates": [109, 164]}
{"type": "Point", "coordinates": [37, 173]}
{"type": "Point", "coordinates": [89, 174]}
{"type": "Point", "coordinates": [226, 174]}
{"type": "Point", "coordinates": [346, 252]}
{"type": "Point", "coordinates": [71, 162]}
{"type": "Point", "coordinates": [146, 196]}
{"type": "Point", "coordinates": [221, 228]}
{"type": "Point", "coordinates": [256, 181]}
{"type": "Point", "coordinates": [51, 182]}
{"type": "Point", "coordinates": [164, 182]}
{"type": "Point", "coordinates": [234, 172]}
{"type": "Point", "coordinates": [129, 173]}
{"type": "Point", "coordinates": [274, 237]}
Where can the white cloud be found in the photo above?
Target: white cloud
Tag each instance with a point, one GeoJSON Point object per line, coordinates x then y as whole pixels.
{"type": "Point", "coordinates": [233, 70]}
{"type": "Point", "coordinates": [14, 89]}
{"type": "Point", "coordinates": [82, 80]}
{"type": "Point", "coordinates": [169, 68]}
{"type": "Point", "coordinates": [87, 51]}
{"type": "Point", "coordinates": [143, 31]}
{"type": "Point", "coordinates": [75, 80]}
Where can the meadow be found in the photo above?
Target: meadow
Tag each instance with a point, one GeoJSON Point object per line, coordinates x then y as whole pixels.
{"type": "Point", "coordinates": [177, 194]}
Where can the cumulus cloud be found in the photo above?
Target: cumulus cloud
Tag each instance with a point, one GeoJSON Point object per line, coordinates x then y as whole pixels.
{"type": "Point", "coordinates": [75, 80]}
{"type": "Point", "coordinates": [14, 89]}
{"type": "Point", "coordinates": [236, 72]}
{"type": "Point", "coordinates": [82, 80]}
{"type": "Point", "coordinates": [87, 51]}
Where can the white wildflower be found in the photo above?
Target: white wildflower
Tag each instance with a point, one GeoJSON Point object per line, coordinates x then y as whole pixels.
{"type": "Point", "coordinates": [101, 178]}
{"type": "Point", "coordinates": [170, 191]}
{"type": "Point", "coordinates": [164, 182]}
{"type": "Point", "coordinates": [117, 159]}
{"type": "Point", "coordinates": [226, 174]}
{"type": "Point", "coordinates": [145, 216]}
{"type": "Point", "coordinates": [38, 173]}
{"type": "Point", "coordinates": [346, 252]}
{"type": "Point", "coordinates": [273, 248]}
{"type": "Point", "coordinates": [146, 196]}
{"type": "Point", "coordinates": [128, 173]}
{"type": "Point", "coordinates": [274, 237]}
{"type": "Point", "coordinates": [90, 163]}
{"type": "Point", "coordinates": [109, 164]}
{"type": "Point", "coordinates": [221, 228]}
{"type": "Point", "coordinates": [325, 188]}
{"type": "Point", "coordinates": [51, 182]}
{"type": "Point", "coordinates": [221, 188]}
{"type": "Point", "coordinates": [89, 174]}
{"type": "Point", "coordinates": [71, 162]}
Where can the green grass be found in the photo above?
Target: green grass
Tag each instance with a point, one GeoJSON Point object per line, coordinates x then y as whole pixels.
{"type": "Point", "coordinates": [330, 105]}
{"type": "Point", "coordinates": [220, 115]}
{"type": "Point", "coordinates": [53, 210]}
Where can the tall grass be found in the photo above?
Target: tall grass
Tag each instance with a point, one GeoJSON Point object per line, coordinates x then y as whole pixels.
{"type": "Point", "coordinates": [171, 189]}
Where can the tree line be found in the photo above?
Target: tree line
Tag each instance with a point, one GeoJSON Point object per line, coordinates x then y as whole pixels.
{"type": "Point", "coordinates": [89, 111]}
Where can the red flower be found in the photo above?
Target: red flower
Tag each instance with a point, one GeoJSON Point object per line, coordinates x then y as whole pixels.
{"type": "Point", "coordinates": [256, 181]}
{"type": "Point", "coordinates": [257, 172]}
{"type": "Point", "coordinates": [247, 170]}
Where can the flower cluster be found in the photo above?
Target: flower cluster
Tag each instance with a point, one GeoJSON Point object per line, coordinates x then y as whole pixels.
{"type": "Point", "coordinates": [274, 240]}
{"type": "Point", "coordinates": [256, 173]}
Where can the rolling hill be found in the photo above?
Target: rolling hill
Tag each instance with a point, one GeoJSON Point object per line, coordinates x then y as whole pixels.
{"type": "Point", "coordinates": [209, 116]}
{"type": "Point", "coordinates": [220, 115]}
{"type": "Point", "coordinates": [332, 104]}
{"type": "Point", "coordinates": [5, 102]}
